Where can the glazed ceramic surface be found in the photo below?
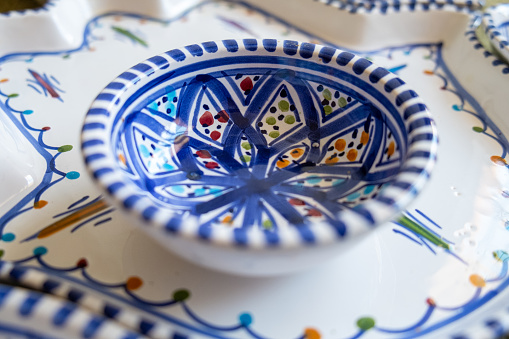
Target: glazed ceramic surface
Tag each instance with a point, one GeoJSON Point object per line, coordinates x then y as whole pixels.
{"type": "Point", "coordinates": [438, 272]}
{"type": "Point", "coordinates": [496, 26]}
{"type": "Point", "coordinates": [259, 143]}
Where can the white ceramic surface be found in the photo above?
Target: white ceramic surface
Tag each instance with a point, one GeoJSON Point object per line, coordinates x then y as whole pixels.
{"type": "Point", "coordinates": [396, 283]}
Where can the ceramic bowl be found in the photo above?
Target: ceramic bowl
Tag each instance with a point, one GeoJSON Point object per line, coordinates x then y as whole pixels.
{"type": "Point", "coordinates": [496, 25]}
{"type": "Point", "coordinates": [259, 157]}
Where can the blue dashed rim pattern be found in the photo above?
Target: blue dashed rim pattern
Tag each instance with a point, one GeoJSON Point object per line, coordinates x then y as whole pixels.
{"type": "Point", "coordinates": [395, 6]}
{"type": "Point", "coordinates": [33, 314]}
{"type": "Point", "coordinates": [421, 155]}
{"type": "Point", "coordinates": [497, 38]}
{"type": "Point", "coordinates": [477, 45]}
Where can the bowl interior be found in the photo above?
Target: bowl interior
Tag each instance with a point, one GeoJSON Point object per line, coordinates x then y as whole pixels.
{"type": "Point", "coordinates": [267, 143]}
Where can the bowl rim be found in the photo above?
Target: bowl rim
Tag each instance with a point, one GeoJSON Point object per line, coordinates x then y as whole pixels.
{"type": "Point", "coordinates": [416, 168]}
{"type": "Point", "coordinates": [495, 37]}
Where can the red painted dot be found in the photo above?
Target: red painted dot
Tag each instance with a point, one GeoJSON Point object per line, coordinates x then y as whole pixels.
{"type": "Point", "coordinates": [82, 263]}
{"type": "Point", "coordinates": [46, 128]}
{"type": "Point", "coordinates": [314, 213]}
{"type": "Point", "coordinates": [206, 119]}
{"type": "Point", "coordinates": [223, 116]}
{"type": "Point", "coordinates": [215, 135]}
{"type": "Point", "coordinates": [296, 202]}
{"type": "Point", "coordinates": [212, 165]}
{"type": "Point", "coordinates": [246, 84]}
{"type": "Point", "coordinates": [430, 302]}
{"type": "Point", "coordinates": [204, 154]}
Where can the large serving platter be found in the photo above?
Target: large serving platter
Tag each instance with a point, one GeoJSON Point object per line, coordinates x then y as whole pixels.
{"type": "Point", "coordinates": [440, 271]}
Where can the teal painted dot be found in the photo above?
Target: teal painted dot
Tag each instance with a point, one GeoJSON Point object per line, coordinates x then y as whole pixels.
{"type": "Point", "coordinates": [28, 111]}
{"type": "Point", "coordinates": [178, 189]}
{"type": "Point", "coordinates": [338, 182]}
{"type": "Point", "coordinates": [353, 196]}
{"type": "Point", "coordinates": [72, 175]}
{"type": "Point", "coordinates": [245, 319]}
{"type": "Point", "coordinates": [40, 250]}
{"type": "Point", "coordinates": [314, 180]}
{"type": "Point", "coordinates": [168, 167]}
{"type": "Point", "coordinates": [144, 151]}
{"type": "Point", "coordinates": [369, 189]}
{"type": "Point", "coordinates": [7, 237]}
{"type": "Point", "coordinates": [366, 323]}
{"type": "Point", "coordinates": [457, 108]}
{"type": "Point", "coordinates": [199, 192]}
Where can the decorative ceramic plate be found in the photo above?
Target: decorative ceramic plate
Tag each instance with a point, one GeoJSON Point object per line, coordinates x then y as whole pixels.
{"type": "Point", "coordinates": [496, 24]}
{"type": "Point", "coordinates": [440, 272]}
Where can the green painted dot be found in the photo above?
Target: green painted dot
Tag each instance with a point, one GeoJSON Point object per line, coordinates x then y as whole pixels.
{"type": "Point", "coordinates": [246, 145]}
{"type": "Point", "coordinates": [267, 224]}
{"type": "Point", "coordinates": [28, 111]}
{"type": "Point", "coordinates": [283, 105]}
{"type": "Point", "coordinates": [40, 250]}
{"type": "Point", "coordinates": [274, 134]}
{"type": "Point", "coordinates": [1, 253]}
{"type": "Point", "coordinates": [366, 323]}
{"type": "Point", "coordinates": [478, 129]}
{"type": "Point", "coordinates": [8, 237]}
{"type": "Point", "coordinates": [327, 109]}
{"type": "Point", "coordinates": [245, 319]}
{"type": "Point", "coordinates": [64, 148]}
{"type": "Point", "coordinates": [13, 95]}
{"type": "Point", "coordinates": [72, 175]}
{"type": "Point", "coordinates": [271, 120]}
{"type": "Point", "coordinates": [181, 295]}
{"type": "Point", "coordinates": [245, 158]}
{"type": "Point", "coordinates": [342, 102]}
{"type": "Point", "coordinates": [457, 107]}
{"type": "Point", "coordinates": [327, 94]}
{"type": "Point", "coordinates": [289, 119]}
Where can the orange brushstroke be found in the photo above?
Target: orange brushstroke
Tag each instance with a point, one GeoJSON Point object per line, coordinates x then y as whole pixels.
{"type": "Point", "coordinates": [73, 218]}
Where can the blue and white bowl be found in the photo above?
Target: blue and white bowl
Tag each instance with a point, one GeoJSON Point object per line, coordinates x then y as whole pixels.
{"type": "Point", "coordinates": [259, 157]}
{"type": "Point", "coordinates": [495, 22]}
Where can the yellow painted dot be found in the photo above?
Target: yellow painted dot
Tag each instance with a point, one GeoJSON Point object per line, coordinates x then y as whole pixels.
{"type": "Point", "coordinates": [428, 72]}
{"type": "Point", "coordinates": [297, 153]}
{"type": "Point", "coordinates": [477, 280]}
{"type": "Point", "coordinates": [498, 160]}
{"type": "Point", "coordinates": [227, 219]}
{"type": "Point", "coordinates": [391, 149]}
{"type": "Point", "coordinates": [4, 80]}
{"type": "Point", "coordinates": [311, 333]}
{"type": "Point", "coordinates": [352, 155]}
{"type": "Point", "coordinates": [40, 204]}
{"type": "Point", "coordinates": [364, 138]}
{"type": "Point", "coordinates": [133, 283]}
{"type": "Point", "coordinates": [331, 160]}
{"type": "Point", "coordinates": [282, 163]}
{"type": "Point", "coordinates": [340, 145]}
